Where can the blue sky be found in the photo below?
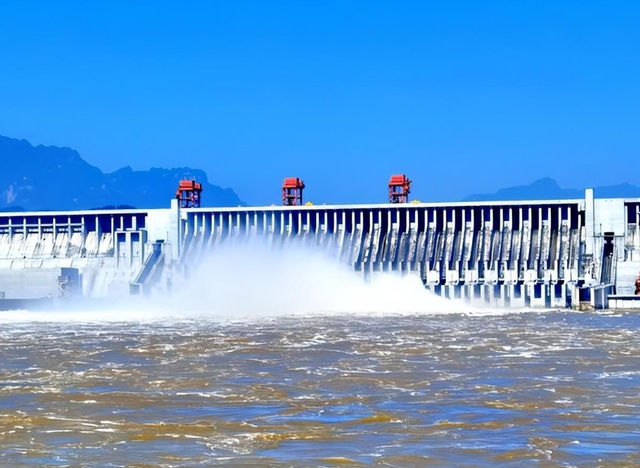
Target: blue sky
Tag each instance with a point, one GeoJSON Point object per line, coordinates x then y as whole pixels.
{"type": "Point", "coordinates": [463, 96]}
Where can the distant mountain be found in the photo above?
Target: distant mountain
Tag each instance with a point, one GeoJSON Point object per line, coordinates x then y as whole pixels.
{"type": "Point", "coordinates": [548, 189]}
{"type": "Point", "coordinates": [49, 177]}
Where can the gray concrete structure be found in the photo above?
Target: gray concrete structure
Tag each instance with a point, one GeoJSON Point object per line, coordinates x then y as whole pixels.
{"type": "Point", "coordinates": [509, 253]}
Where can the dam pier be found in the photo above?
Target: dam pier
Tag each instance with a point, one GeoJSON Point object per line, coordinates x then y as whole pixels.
{"type": "Point", "coordinates": [580, 253]}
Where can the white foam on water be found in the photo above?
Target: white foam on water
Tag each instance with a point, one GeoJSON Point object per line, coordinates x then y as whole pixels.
{"type": "Point", "coordinates": [250, 280]}
{"type": "Point", "coordinates": [118, 311]}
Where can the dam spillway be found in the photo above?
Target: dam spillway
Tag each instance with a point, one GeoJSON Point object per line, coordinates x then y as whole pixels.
{"type": "Point", "coordinates": [550, 253]}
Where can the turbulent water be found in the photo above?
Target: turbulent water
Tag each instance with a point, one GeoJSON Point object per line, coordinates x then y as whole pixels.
{"type": "Point", "coordinates": [515, 389]}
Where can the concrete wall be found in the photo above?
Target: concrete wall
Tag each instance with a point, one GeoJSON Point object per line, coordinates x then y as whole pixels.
{"type": "Point", "coordinates": [107, 246]}
{"type": "Point", "coordinates": [29, 283]}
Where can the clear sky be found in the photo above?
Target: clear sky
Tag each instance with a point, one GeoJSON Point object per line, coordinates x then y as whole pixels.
{"type": "Point", "coordinates": [463, 96]}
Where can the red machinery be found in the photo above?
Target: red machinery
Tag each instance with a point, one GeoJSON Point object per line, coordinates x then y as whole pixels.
{"type": "Point", "coordinates": [292, 191]}
{"type": "Point", "coordinates": [399, 189]}
{"type": "Point", "coordinates": [189, 194]}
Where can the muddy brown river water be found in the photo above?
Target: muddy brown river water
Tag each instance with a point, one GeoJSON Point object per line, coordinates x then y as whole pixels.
{"type": "Point", "coordinates": [552, 389]}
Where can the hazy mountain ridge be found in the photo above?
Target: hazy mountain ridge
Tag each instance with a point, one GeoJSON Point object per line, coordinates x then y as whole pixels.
{"type": "Point", "coordinates": [51, 177]}
{"type": "Point", "coordinates": [548, 189]}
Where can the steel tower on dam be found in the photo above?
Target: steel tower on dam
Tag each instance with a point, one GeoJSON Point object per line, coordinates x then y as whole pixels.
{"type": "Point", "coordinates": [515, 253]}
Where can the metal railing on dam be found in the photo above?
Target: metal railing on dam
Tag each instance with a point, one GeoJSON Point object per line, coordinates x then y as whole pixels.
{"type": "Point", "coordinates": [519, 253]}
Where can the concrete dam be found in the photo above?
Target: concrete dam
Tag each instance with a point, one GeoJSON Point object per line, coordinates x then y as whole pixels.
{"type": "Point", "coordinates": [551, 253]}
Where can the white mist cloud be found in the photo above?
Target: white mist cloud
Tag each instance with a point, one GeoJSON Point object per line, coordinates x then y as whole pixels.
{"type": "Point", "coordinates": [253, 280]}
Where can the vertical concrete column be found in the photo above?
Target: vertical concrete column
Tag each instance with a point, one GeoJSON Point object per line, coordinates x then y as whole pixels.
{"type": "Point", "coordinates": [467, 257]}
{"type": "Point", "coordinates": [558, 262]}
{"type": "Point", "coordinates": [501, 246]}
{"type": "Point", "coordinates": [405, 264]}
{"type": "Point", "coordinates": [570, 291]}
{"type": "Point", "coordinates": [98, 235]}
{"type": "Point", "coordinates": [489, 227]}
{"type": "Point", "coordinates": [452, 259]}
{"type": "Point", "coordinates": [492, 294]}
{"type": "Point", "coordinates": [129, 240]}
{"type": "Point", "coordinates": [359, 241]}
{"type": "Point", "coordinates": [116, 249]}
{"type": "Point", "coordinates": [215, 229]}
{"type": "Point", "coordinates": [187, 229]}
{"type": "Point", "coordinates": [504, 296]}
{"type": "Point", "coordinates": [369, 246]}
{"type": "Point", "coordinates": [291, 224]}
{"type": "Point", "coordinates": [546, 293]}
{"type": "Point", "coordinates": [341, 230]}
{"type": "Point", "coordinates": [142, 239]}
{"type": "Point", "coordinates": [422, 251]}
{"type": "Point", "coordinates": [195, 223]}
{"type": "Point", "coordinates": [470, 292]}
{"type": "Point", "coordinates": [207, 225]}
{"type": "Point", "coordinates": [539, 259]}
{"type": "Point", "coordinates": [559, 298]}
{"type": "Point", "coordinates": [636, 240]}
{"type": "Point", "coordinates": [527, 294]}
{"type": "Point", "coordinates": [352, 236]}
{"type": "Point", "coordinates": [514, 301]}
{"type": "Point", "coordinates": [83, 228]}
{"type": "Point", "coordinates": [175, 228]}
{"type": "Point", "coordinates": [589, 220]}
{"type": "Point", "coordinates": [441, 261]}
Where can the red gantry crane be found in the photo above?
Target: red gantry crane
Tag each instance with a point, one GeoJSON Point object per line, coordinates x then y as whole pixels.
{"type": "Point", "coordinates": [399, 189]}
{"type": "Point", "coordinates": [292, 191]}
{"type": "Point", "coordinates": [189, 194]}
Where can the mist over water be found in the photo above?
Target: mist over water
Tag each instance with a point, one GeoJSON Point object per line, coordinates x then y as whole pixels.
{"type": "Point", "coordinates": [252, 280]}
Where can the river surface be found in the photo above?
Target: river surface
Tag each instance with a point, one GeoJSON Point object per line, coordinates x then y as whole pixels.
{"type": "Point", "coordinates": [527, 389]}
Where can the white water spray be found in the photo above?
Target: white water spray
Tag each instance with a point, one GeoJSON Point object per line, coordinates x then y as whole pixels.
{"type": "Point", "coordinates": [250, 280]}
